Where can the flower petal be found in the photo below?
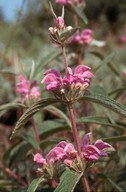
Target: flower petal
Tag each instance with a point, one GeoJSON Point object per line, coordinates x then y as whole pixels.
{"type": "Point", "coordinates": [87, 140]}
{"type": "Point", "coordinates": [57, 153]}
{"type": "Point", "coordinates": [80, 69]}
{"type": "Point", "coordinates": [38, 158]}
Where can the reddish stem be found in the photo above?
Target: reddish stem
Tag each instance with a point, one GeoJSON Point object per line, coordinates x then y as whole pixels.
{"type": "Point", "coordinates": [75, 135]}
{"type": "Point", "coordinates": [64, 57]}
{"type": "Point", "coordinates": [74, 128]}
{"type": "Point", "coordinates": [14, 175]}
{"type": "Point", "coordinates": [86, 185]}
{"type": "Point", "coordinates": [75, 20]}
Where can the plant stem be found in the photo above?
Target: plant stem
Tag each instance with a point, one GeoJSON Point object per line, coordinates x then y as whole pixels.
{"type": "Point", "coordinates": [14, 175]}
{"type": "Point", "coordinates": [35, 131]}
{"type": "Point", "coordinates": [64, 57]}
{"type": "Point", "coordinates": [75, 20]}
{"type": "Point", "coordinates": [74, 128]}
{"type": "Point", "coordinates": [75, 135]}
{"type": "Point", "coordinates": [86, 185]}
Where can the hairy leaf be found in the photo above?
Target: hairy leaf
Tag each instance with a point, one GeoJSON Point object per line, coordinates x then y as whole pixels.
{"type": "Point", "coordinates": [49, 127]}
{"type": "Point", "coordinates": [106, 102]}
{"type": "Point", "coordinates": [117, 91]}
{"type": "Point", "coordinates": [105, 61]}
{"type": "Point", "coordinates": [115, 138]}
{"type": "Point", "coordinates": [5, 107]}
{"type": "Point", "coordinates": [45, 60]}
{"type": "Point", "coordinates": [118, 189]}
{"type": "Point", "coordinates": [30, 112]}
{"type": "Point", "coordinates": [80, 14]}
{"type": "Point", "coordinates": [34, 184]}
{"type": "Point", "coordinates": [100, 121]}
{"type": "Point", "coordinates": [68, 181]}
{"type": "Point", "coordinates": [58, 112]}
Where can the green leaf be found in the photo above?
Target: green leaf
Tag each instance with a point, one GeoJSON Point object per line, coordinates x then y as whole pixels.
{"type": "Point", "coordinates": [118, 189]}
{"type": "Point", "coordinates": [32, 141]}
{"type": "Point", "coordinates": [106, 102]}
{"type": "Point", "coordinates": [30, 112]}
{"type": "Point", "coordinates": [105, 61]}
{"type": "Point", "coordinates": [34, 184]}
{"type": "Point", "coordinates": [80, 13]}
{"type": "Point", "coordinates": [58, 112]}
{"type": "Point", "coordinates": [117, 91]}
{"type": "Point", "coordinates": [16, 153]}
{"type": "Point", "coordinates": [100, 121]}
{"type": "Point", "coordinates": [51, 142]}
{"type": "Point", "coordinates": [5, 107]}
{"type": "Point", "coordinates": [45, 60]}
{"type": "Point", "coordinates": [49, 127]}
{"type": "Point", "coordinates": [68, 181]}
{"type": "Point", "coordinates": [115, 138]}
{"type": "Point", "coordinates": [67, 33]}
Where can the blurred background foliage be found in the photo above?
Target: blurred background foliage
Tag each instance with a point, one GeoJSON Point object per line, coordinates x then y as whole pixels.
{"type": "Point", "coordinates": [26, 41]}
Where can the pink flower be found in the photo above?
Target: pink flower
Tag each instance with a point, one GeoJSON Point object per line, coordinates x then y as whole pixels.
{"type": "Point", "coordinates": [68, 2]}
{"type": "Point", "coordinates": [27, 89]}
{"type": "Point", "coordinates": [64, 2]}
{"type": "Point", "coordinates": [123, 38]}
{"type": "Point", "coordinates": [85, 37]}
{"type": "Point", "coordinates": [23, 85]}
{"type": "Point", "coordinates": [56, 154]}
{"type": "Point", "coordinates": [93, 152]}
{"type": "Point", "coordinates": [54, 80]}
{"type": "Point", "coordinates": [35, 92]}
{"type": "Point", "coordinates": [39, 159]}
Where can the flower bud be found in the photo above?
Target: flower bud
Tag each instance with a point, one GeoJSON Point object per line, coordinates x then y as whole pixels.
{"type": "Point", "coordinates": [59, 22]}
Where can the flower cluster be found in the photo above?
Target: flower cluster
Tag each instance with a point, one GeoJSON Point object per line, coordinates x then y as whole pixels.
{"type": "Point", "coordinates": [68, 154]}
{"type": "Point", "coordinates": [27, 89]}
{"type": "Point", "coordinates": [71, 86]}
{"type": "Point", "coordinates": [85, 37]}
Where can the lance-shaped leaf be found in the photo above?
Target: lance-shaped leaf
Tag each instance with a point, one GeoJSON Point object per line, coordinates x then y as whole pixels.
{"type": "Point", "coordinates": [58, 112]}
{"type": "Point", "coordinates": [49, 127]}
{"type": "Point", "coordinates": [31, 111]}
{"type": "Point", "coordinates": [117, 91]}
{"type": "Point", "coordinates": [13, 105]}
{"type": "Point", "coordinates": [46, 59]}
{"type": "Point", "coordinates": [105, 61]}
{"type": "Point", "coordinates": [100, 121]}
{"type": "Point", "coordinates": [80, 14]}
{"type": "Point", "coordinates": [34, 184]}
{"type": "Point", "coordinates": [67, 33]}
{"type": "Point", "coordinates": [111, 182]}
{"type": "Point", "coordinates": [106, 102]}
{"type": "Point", "coordinates": [115, 138]}
{"type": "Point", "coordinates": [68, 181]}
